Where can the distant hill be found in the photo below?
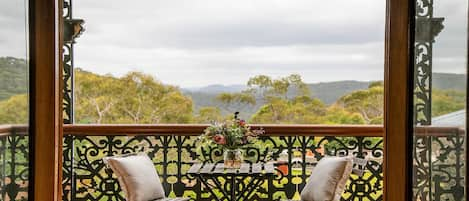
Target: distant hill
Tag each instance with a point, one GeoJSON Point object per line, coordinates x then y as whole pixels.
{"type": "Point", "coordinates": [329, 92]}
{"type": "Point", "coordinates": [218, 88]}
{"type": "Point", "coordinates": [13, 77]}
{"type": "Point", "coordinates": [449, 81]}
{"type": "Point", "coordinates": [13, 80]}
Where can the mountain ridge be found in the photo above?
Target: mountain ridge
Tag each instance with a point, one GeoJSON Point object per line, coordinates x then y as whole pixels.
{"type": "Point", "coordinates": [13, 79]}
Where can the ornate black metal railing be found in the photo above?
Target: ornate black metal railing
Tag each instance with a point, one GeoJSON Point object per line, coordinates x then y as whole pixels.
{"type": "Point", "coordinates": [440, 162]}
{"type": "Point", "coordinates": [13, 163]}
{"type": "Point", "coordinates": [174, 151]}
{"type": "Point", "coordinates": [427, 28]}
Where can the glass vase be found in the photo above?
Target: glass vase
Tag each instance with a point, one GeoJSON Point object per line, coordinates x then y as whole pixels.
{"type": "Point", "coordinates": [233, 158]}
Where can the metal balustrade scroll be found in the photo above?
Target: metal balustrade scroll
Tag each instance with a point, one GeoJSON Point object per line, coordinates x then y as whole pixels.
{"type": "Point", "coordinates": [443, 160]}
{"type": "Point", "coordinates": [174, 154]}
{"type": "Point", "coordinates": [72, 29]}
{"type": "Point", "coordinates": [427, 28]}
{"type": "Point", "coordinates": [14, 155]}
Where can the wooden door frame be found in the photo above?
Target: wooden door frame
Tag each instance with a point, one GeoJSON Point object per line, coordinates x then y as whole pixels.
{"type": "Point", "coordinates": [398, 100]}
{"type": "Point", "coordinates": [46, 105]}
{"type": "Point", "coordinates": [45, 101]}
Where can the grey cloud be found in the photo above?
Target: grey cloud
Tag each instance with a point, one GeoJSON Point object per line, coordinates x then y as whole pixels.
{"type": "Point", "coordinates": [315, 63]}
{"type": "Point", "coordinates": [222, 41]}
{"type": "Point", "coordinates": [256, 34]}
{"type": "Point", "coordinates": [185, 24]}
{"type": "Point", "coordinates": [450, 49]}
{"type": "Point", "coordinates": [13, 32]}
{"type": "Point", "coordinates": [228, 41]}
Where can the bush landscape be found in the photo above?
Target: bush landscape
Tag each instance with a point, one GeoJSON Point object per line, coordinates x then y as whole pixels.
{"type": "Point", "coordinates": [140, 98]}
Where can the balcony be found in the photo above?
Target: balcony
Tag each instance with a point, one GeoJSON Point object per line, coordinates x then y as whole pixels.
{"type": "Point", "coordinates": [295, 148]}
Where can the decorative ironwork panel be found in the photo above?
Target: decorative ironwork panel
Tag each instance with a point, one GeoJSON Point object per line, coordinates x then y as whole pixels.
{"type": "Point", "coordinates": [422, 68]}
{"type": "Point", "coordinates": [173, 155]}
{"type": "Point", "coordinates": [422, 86]}
{"type": "Point", "coordinates": [427, 28]}
{"type": "Point", "coordinates": [68, 70]}
{"type": "Point", "coordinates": [14, 167]}
{"type": "Point", "coordinates": [448, 167]}
{"type": "Point", "coordinates": [439, 172]}
{"type": "Point", "coordinates": [67, 168]}
{"type": "Point", "coordinates": [421, 168]}
{"type": "Point", "coordinates": [3, 165]}
{"type": "Point", "coordinates": [72, 30]}
{"type": "Point", "coordinates": [68, 84]}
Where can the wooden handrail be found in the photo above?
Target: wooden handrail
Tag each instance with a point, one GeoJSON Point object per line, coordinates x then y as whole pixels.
{"type": "Point", "coordinates": [17, 128]}
{"type": "Point", "coordinates": [197, 129]}
{"type": "Point", "coordinates": [5, 129]}
{"type": "Point", "coordinates": [438, 131]}
{"type": "Point", "coordinates": [271, 130]}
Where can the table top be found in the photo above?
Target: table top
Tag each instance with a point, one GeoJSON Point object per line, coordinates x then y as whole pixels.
{"type": "Point", "coordinates": [246, 169]}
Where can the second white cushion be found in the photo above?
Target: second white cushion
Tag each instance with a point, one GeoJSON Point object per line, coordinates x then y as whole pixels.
{"type": "Point", "coordinates": [327, 180]}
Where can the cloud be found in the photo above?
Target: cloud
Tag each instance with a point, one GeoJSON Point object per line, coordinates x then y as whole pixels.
{"type": "Point", "coordinates": [13, 31]}
{"type": "Point", "coordinates": [450, 47]}
{"type": "Point", "coordinates": [195, 42]}
{"type": "Point", "coordinates": [189, 43]}
{"type": "Point", "coordinates": [222, 23]}
{"type": "Point", "coordinates": [198, 67]}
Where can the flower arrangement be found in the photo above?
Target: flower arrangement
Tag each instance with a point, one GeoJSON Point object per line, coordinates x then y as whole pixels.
{"type": "Point", "coordinates": [231, 134]}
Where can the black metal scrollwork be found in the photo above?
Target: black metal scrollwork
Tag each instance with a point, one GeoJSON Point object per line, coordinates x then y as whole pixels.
{"type": "Point", "coordinates": [173, 155]}
{"type": "Point", "coordinates": [14, 166]}
{"type": "Point", "coordinates": [72, 30]}
{"type": "Point", "coordinates": [439, 172]}
{"type": "Point", "coordinates": [427, 27]}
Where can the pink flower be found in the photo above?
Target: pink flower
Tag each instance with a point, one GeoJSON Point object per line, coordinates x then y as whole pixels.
{"type": "Point", "coordinates": [242, 122]}
{"type": "Point", "coordinates": [219, 139]}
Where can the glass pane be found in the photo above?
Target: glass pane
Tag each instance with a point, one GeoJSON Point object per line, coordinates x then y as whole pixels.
{"type": "Point", "coordinates": [440, 100]}
{"type": "Point", "coordinates": [179, 61]}
{"type": "Point", "coordinates": [14, 103]}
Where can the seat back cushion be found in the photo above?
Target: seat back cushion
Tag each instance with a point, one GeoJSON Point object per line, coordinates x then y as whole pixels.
{"type": "Point", "coordinates": [328, 179]}
{"type": "Point", "coordinates": [137, 177]}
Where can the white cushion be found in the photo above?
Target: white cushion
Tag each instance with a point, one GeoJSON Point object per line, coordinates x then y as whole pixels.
{"type": "Point", "coordinates": [137, 177]}
{"type": "Point", "coordinates": [327, 180]}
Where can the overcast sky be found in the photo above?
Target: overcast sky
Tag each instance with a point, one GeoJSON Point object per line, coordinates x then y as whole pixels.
{"type": "Point", "coordinates": [13, 28]}
{"type": "Point", "coordinates": [194, 43]}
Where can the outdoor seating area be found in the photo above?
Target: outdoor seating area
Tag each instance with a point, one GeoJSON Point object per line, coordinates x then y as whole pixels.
{"type": "Point", "coordinates": [87, 177]}
{"type": "Point", "coordinates": [246, 100]}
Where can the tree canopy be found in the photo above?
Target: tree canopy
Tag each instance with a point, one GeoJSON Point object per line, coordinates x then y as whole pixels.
{"type": "Point", "coordinates": [133, 98]}
{"type": "Point", "coordinates": [138, 98]}
{"type": "Point", "coordinates": [368, 103]}
{"type": "Point", "coordinates": [13, 77]}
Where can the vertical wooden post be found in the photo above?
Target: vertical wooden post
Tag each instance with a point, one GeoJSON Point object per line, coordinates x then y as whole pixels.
{"type": "Point", "coordinates": [398, 100]}
{"type": "Point", "coordinates": [46, 105]}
